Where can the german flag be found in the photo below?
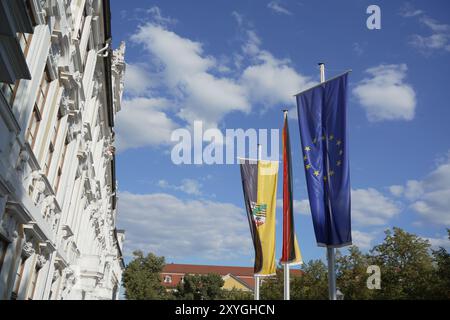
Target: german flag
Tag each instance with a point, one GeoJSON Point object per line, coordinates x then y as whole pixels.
{"type": "Point", "coordinates": [259, 183]}
{"type": "Point", "coordinates": [291, 252]}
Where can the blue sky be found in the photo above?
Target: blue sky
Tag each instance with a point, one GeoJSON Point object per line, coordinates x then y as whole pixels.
{"type": "Point", "coordinates": [236, 64]}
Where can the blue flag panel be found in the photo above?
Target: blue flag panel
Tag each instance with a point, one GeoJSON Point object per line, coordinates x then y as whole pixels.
{"type": "Point", "coordinates": [322, 120]}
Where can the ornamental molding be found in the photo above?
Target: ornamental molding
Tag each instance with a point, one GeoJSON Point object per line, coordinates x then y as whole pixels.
{"type": "Point", "coordinates": [23, 158]}
{"type": "Point", "coordinates": [27, 249]}
{"type": "Point", "coordinates": [37, 185]}
{"type": "Point", "coordinates": [41, 261]}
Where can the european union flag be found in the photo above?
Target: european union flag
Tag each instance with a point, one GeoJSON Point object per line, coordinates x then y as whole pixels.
{"type": "Point", "coordinates": [322, 119]}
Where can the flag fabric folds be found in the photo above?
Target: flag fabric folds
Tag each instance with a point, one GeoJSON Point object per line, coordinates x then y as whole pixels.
{"type": "Point", "coordinates": [259, 182]}
{"type": "Point", "coordinates": [322, 120]}
{"type": "Point", "coordinates": [290, 251]}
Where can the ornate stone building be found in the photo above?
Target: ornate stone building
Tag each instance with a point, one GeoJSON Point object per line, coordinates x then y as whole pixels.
{"type": "Point", "coordinates": [61, 86]}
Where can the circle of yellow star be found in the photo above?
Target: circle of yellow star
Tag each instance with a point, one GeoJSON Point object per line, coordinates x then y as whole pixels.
{"type": "Point", "coordinates": [307, 148]}
{"type": "Point", "coordinates": [308, 166]}
{"type": "Point", "coordinates": [316, 172]}
{"type": "Point", "coordinates": [305, 158]}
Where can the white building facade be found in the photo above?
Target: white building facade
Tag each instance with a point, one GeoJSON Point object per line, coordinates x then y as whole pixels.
{"type": "Point", "coordinates": [61, 86]}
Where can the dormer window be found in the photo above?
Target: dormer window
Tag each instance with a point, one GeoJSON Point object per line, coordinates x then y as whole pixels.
{"type": "Point", "coordinates": [167, 279]}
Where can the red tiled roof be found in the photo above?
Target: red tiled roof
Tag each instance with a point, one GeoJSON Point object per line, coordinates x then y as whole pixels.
{"type": "Point", "coordinates": [176, 271]}
{"type": "Point", "coordinates": [204, 269]}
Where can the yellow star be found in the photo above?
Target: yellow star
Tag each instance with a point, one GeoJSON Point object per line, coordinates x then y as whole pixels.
{"type": "Point", "coordinates": [308, 166]}
{"type": "Point", "coordinates": [316, 172]}
{"type": "Point", "coordinates": [331, 173]}
{"type": "Point", "coordinates": [338, 142]}
{"type": "Point", "coordinates": [307, 148]}
{"type": "Point", "coordinates": [323, 137]}
{"type": "Point", "coordinates": [305, 158]}
{"type": "Point", "coordinates": [315, 140]}
{"type": "Point", "coordinates": [339, 163]}
{"type": "Point", "coordinates": [331, 137]}
{"type": "Point", "coordinates": [341, 152]}
{"type": "Point", "coordinates": [325, 178]}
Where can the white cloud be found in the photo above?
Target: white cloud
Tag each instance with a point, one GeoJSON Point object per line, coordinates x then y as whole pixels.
{"type": "Point", "coordinates": [300, 206]}
{"type": "Point", "coordinates": [178, 229]}
{"type": "Point", "coordinates": [276, 7]}
{"type": "Point", "coordinates": [436, 243]}
{"type": "Point", "coordinates": [362, 239]}
{"type": "Point", "coordinates": [159, 18]}
{"type": "Point", "coordinates": [272, 82]}
{"type": "Point", "coordinates": [239, 18]}
{"type": "Point", "coordinates": [370, 207]}
{"type": "Point", "coordinates": [142, 123]}
{"type": "Point", "coordinates": [385, 95]}
{"type": "Point", "coordinates": [189, 186]}
{"type": "Point", "coordinates": [408, 11]}
{"type": "Point", "coordinates": [396, 190]}
{"type": "Point", "coordinates": [137, 80]}
{"type": "Point", "coordinates": [358, 48]}
{"type": "Point", "coordinates": [413, 189]}
{"type": "Point", "coordinates": [188, 72]}
{"type": "Point", "coordinates": [438, 38]}
{"type": "Point", "coordinates": [198, 86]}
{"type": "Point", "coordinates": [430, 197]}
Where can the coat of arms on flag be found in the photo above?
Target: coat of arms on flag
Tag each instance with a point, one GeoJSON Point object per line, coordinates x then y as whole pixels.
{"type": "Point", "coordinates": [259, 211]}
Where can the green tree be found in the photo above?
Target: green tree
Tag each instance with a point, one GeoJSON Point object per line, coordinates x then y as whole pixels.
{"type": "Point", "coordinates": [272, 288]}
{"type": "Point", "coordinates": [406, 266]}
{"type": "Point", "coordinates": [141, 278]}
{"type": "Point", "coordinates": [352, 274]}
{"type": "Point", "coordinates": [200, 287]}
{"type": "Point", "coordinates": [312, 284]}
{"type": "Point", "coordinates": [236, 294]}
{"type": "Point", "coordinates": [441, 285]}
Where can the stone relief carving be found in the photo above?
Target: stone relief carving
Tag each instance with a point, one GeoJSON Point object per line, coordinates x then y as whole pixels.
{"type": "Point", "coordinates": [38, 186]}
{"type": "Point", "coordinates": [9, 227]}
{"type": "Point", "coordinates": [27, 249]}
{"type": "Point", "coordinates": [22, 160]}
{"type": "Point", "coordinates": [41, 261]}
{"type": "Point", "coordinates": [48, 208]}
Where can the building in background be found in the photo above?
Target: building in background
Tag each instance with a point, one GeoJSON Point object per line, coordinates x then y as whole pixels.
{"type": "Point", "coordinates": [61, 86]}
{"type": "Point", "coordinates": [240, 278]}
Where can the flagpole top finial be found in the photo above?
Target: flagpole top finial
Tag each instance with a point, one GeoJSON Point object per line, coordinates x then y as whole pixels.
{"type": "Point", "coordinates": [285, 110]}
{"type": "Point", "coordinates": [320, 63]}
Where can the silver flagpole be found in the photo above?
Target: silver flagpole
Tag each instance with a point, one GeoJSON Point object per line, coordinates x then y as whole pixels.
{"type": "Point", "coordinates": [287, 294]}
{"type": "Point", "coordinates": [287, 289]}
{"type": "Point", "coordinates": [330, 251]}
{"type": "Point", "coordinates": [257, 279]}
{"type": "Point", "coordinates": [256, 287]}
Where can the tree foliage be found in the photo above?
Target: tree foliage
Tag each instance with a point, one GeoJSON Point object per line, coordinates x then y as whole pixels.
{"type": "Point", "coordinates": [141, 278]}
{"type": "Point", "coordinates": [410, 269]}
{"type": "Point", "coordinates": [200, 287]}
